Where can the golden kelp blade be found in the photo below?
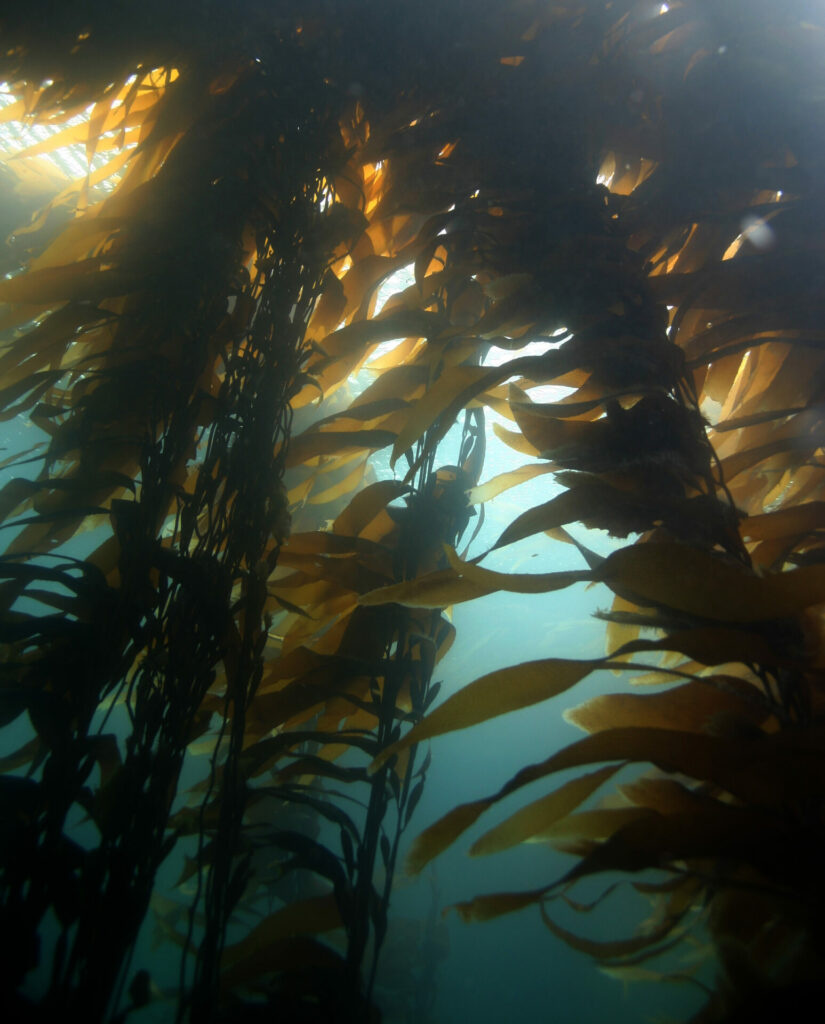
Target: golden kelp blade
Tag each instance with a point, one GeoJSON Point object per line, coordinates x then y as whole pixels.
{"type": "Point", "coordinates": [517, 583]}
{"type": "Point", "coordinates": [486, 908]}
{"type": "Point", "coordinates": [696, 582]}
{"type": "Point", "coordinates": [541, 814]}
{"type": "Point", "coordinates": [434, 590]}
{"type": "Point", "coordinates": [494, 694]}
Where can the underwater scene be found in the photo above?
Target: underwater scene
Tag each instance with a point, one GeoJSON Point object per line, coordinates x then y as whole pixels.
{"type": "Point", "coordinates": [412, 487]}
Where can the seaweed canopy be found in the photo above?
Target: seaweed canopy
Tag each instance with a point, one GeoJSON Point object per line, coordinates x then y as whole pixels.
{"type": "Point", "coordinates": [192, 330]}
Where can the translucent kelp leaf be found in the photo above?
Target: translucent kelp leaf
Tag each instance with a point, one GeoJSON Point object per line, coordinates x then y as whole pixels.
{"type": "Point", "coordinates": [518, 442]}
{"type": "Point", "coordinates": [690, 707]}
{"type": "Point", "coordinates": [540, 814]}
{"type": "Point", "coordinates": [312, 443]}
{"type": "Point", "coordinates": [438, 589]}
{"type": "Point", "coordinates": [518, 583]}
{"type": "Point", "coordinates": [785, 522]}
{"type": "Point", "coordinates": [486, 908]}
{"type": "Point", "coordinates": [617, 948]}
{"type": "Point", "coordinates": [366, 505]}
{"type": "Point", "coordinates": [449, 394]}
{"type": "Point", "coordinates": [507, 689]}
{"type": "Point", "coordinates": [498, 484]}
{"type": "Point", "coordinates": [694, 581]}
{"type": "Point", "coordinates": [710, 646]}
{"type": "Point", "coordinates": [590, 825]}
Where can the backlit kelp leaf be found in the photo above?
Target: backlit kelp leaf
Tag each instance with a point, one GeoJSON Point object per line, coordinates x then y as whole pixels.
{"type": "Point", "coordinates": [329, 310]}
{"type": "Point", "coordinates": [692, 580]}
{"type": "Point", "coordinates": [325, 543]}
{"type": "Point", "coordinates": [65, 137]}
{"type": "Point", "coordinates": [518, 583]}
{"type": "Point", "coordinates": [83, 280]}
{"type": "Point", "coordinates": [577, 504]}
{"type": "Point", "coordinates": [551, 435]}
{"type": "Point", "coordinates": [371, 415]}
{"type": "Point", "coordinates": [486, 908]}
{"type": "Point", "coordinates": [785, 522]}
{"type": "Point", "coordinates": [619, 631]}
{"type": "Point", "coordinates": [710, 646]}
{"type": "Point", "coordinates": [362, 280]}
{"type": "Point", "coordinates": [540, 814]}
{"type": "Point", "coordinates": [397, 382]}
{"type": "Point", "coordinates": [498, 484]}
{"type": "Point", "coordinates": [438, 589]}
{"type": "Point", "coordinates": [742, 460]}
{"type": "Point", "coordinates": [750, 421]}
{"type": "Point", "coordinates": [666, 796]}
{"type": "Point", "coordinates": [317, 442]}
{"type": "Point", "coordinates": [514, 440]}
{"type": "Point", "coordinates": [753, 767]}
{"type": "Point", "coordinates": [366, 505]}
{"type": "Point", "coordinates": [443, 833]}
{"type": "Point", "coordinates": [690, 707]}
{"type": "Point", "coordinates": [589, 825]}
{"type": "Point", "coordinates": [494, 694]}
{"type": "Point", "coordinates": [403, 324]}
{"type": "Point", "coordinates": [345, 486]}
{"type": "Point", "coordinates": [78, 240]}
{"type": "Point", "coordinates": [446, 397]}
{"type": "Point", "coordinates": [347, 571]}
{"type": "Point", "coordinates": [620, 948]}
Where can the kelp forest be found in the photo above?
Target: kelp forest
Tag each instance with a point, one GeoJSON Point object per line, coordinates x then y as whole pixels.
{"type": "Point", "coordinates": [274, 272]}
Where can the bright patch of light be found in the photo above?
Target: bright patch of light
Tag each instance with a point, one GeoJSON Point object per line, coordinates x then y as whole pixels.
{"type": "Point", "coordinates": [758, 232]}
{"type": "Point", "coordinates": [396, 282]}
{"type": "Point", "coordinates": [754, 230]}
{"type": "Point", "coordinates": [541, 392]}
{"type": "Point", "coordinates": [70, 161]}
{"type": "Point", "coordinates": [664, 8]}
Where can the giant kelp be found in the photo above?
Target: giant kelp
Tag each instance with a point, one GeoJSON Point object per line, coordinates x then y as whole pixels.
{"type": "Point", "coordinates": [183, 326]}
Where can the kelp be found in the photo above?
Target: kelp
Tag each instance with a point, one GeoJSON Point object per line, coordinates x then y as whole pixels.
{"type": "Point", "coordinates": [193, 329]}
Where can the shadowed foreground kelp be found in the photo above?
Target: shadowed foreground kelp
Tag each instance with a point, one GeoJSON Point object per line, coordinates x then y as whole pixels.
{"type": "Point", "coordinates": [203, 556]}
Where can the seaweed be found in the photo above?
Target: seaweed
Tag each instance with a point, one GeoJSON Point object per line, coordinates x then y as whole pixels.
{"type": "Point", "coordinates": [270, 473]}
